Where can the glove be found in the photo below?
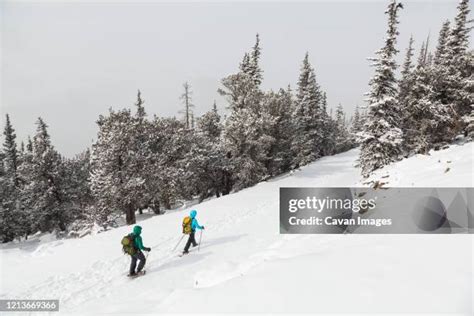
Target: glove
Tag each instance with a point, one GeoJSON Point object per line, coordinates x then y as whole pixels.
{"type": "Point", "coordinates": [147, 249]}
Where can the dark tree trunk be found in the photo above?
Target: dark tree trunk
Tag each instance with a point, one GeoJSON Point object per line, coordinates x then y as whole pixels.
{"type": "Point", "coordinates": [155, 206]}
{"type": "Point", "coordinates": [130, 215]}
{"type": "Point", "coordinates": [167, 202]}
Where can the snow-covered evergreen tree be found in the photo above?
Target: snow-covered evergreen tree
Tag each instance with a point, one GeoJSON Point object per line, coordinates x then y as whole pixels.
{"type": "Point", "coordinates": [245, 137]}
{"type": "Point", "coordinates": [44, 187]}
{"type": "Point", "coordinates": [278, 107]}
{"type": "Point", "coordinates": [440, 57]}
{"type": "Point", "coordinates": [459, 79]}
{"type": "Point", "coordinates": [468, 87]}
{"type": "Point", "coordinates": [383, 136]}
{"type": "Point", "coordinates": [115, 160]}
{"type": "Point", "coordinates": [344, 141]}
{"type": "Point", "coordinates": [210, 124]}
{"type": "Point", "coordinates": [307, 117]}
{"type": "Point", "coordinates": [357, 126]}
{"type": "Point", "coordinates": [25, 175]}
{"type": "Point", "coordinates": [329, 129]}
{"type": "Point", "coordinates": [422, 114]}
{"type": "Point", "coordinates": [406, 81]}
{"type": "Point", "coordinates": [255, 71]}
{"type": "Point", "coordinates": [10, 211]}
{"type": "Point", "coordinates": [206, 158]}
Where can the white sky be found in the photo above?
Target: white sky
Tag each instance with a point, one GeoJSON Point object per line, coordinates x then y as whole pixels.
{"type": "Point", "coordinates": [70, 61]}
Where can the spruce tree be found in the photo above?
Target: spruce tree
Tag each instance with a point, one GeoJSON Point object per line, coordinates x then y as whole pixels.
{"type": "Point", "coordinates": [459, 77]}
{"type": "Point", "coordinates": [328, 144]}
{"type": "Point", "coordinates": [382, 134]}
{"type": "Point", "coordinates": [440, 57]}
{"type": "Point", "coordinates": [10, 151]}
{"type": "Point", "coordinates": [357, 125]}
{"type": "Point", "coordinates": [343, 140]}
{"type": "Point", "coordinates": [406, 80]}
{"type": "Point", "coordinates": [10, 214]}
{"type": "Point", "coordinates": [118, 165]}
{"type": "Point", "coordinates": [44, 187]}
{"type": "Point", "coordinates": [255, 70]}
{"type": "Point", "coordinates": [307, 117]}
{"type": "Point", "coordinates": [245, 139]}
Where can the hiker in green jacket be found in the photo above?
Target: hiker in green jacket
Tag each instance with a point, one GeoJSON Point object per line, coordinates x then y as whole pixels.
{"type": "Point", "coordinates": [138, 255]}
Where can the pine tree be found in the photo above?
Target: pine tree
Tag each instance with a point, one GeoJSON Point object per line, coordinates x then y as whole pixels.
{"type": "Point", "coordinates": [118, 164]}
{"type": "Point", "coordinates": [10, 214]}
{"type": "Point", "coordinates": [141, 113]}
{"type": "Point", "coordinates": [382, 133]}
{"type": "Point", "coordinates": [75, 179]}
{"type": "Point", "coordinates": [440, 57]}
{"type": "Point", "coordinates": [44, 188]}
{"type": "Point", "coordinates": [246, 65]}
{"type": "Point", "coordinates": [245, 139]}
{"type": "Point", "coordinates": [307, 117]}
{"type": "Point", "coordinates": [357, 125]}
{"type": "Point", "coordinates": [459, 76]}
{"type": "Point", "coordinates": [25, 176]}
{"type": "Point", "coordinates": [343, 139]}
{"type": "Point", "coordinates": [468, 87]}
{"type": "Point", "coordinates": [328, 144]}
{"type": "Point", "coordinates": [406, 81]}
{"type": "Point", "coordinates": [278, 125]}
{"type": "Point", "coordinates": [418, 119]}
{"type": "Point", "coordinates": [210, 124]}
{"type": "Point", "coordinates": [458, 42]}
{"type": "Point", "coordinates": [10, 151]}
{"type": "Point", "coordinates": [206, 158]}
{"type": "Point", "coordinates": [255, 70]}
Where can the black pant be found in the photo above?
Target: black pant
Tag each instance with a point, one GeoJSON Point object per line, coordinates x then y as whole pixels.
{"type": "Point", "coordinates": [190, 241]}
{"type": "Point", "coordinates": [138, 256]}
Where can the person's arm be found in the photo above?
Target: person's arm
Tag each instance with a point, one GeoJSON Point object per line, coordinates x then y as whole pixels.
{"type": "Point", "coordinates": [139, 243]}
{"type": "Point", "coordinates": [196, 225]}
{"type": "Point", "coordinates": [143, 247]}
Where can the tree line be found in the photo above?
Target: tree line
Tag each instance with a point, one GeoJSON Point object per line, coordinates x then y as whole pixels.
{"type": "Point", "coordinates": [431, 105]}
{"type": "Point", "coordinates": [140, 162]}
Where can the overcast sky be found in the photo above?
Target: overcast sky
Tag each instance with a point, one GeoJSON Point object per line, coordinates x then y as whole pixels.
{"type": "Point", "coordinates": [70, 62]}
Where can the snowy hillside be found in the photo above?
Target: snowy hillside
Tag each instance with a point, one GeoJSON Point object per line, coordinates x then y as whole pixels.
{"type": "Point", "coordinates": [245, 265]}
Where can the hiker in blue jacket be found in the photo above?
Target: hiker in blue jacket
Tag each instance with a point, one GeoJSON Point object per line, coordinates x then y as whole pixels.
{"type": "Point", "coordinates": [194, 225]}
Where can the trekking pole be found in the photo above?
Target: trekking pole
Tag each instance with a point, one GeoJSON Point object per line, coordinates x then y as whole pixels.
{"type": "Point", "coordinates": [178, 243]}
{"type": "Point", "coordinates": [200, 238]}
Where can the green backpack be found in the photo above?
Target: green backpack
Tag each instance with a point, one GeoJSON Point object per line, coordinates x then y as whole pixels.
{"type": "Point", "coordinates": [128, 244]}
{"type": "Point", "coordinates": [187, 221]}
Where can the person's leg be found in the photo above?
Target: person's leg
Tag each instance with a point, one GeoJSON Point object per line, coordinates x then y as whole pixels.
{"type": "Point", "coordinates": [142, 259]}
{"type": "Point", "coordinates": [133, 264]}
{"type": "Point", "coordinates": [188, 243]}
{"type": "Point", "coordinates": [194, 241]}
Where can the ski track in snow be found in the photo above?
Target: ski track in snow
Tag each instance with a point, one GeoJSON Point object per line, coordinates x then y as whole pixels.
{"type": "Point", "coordinates": [241, 242]}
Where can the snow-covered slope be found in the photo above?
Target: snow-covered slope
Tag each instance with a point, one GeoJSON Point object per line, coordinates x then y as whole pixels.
{"type": "Point", "coordinates": [245, 265]}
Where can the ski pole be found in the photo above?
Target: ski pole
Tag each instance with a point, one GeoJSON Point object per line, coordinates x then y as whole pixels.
{"type": "Point", "coordinates": [178, 243]}
{"type": "Point", "coordinates": [200, 238]}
